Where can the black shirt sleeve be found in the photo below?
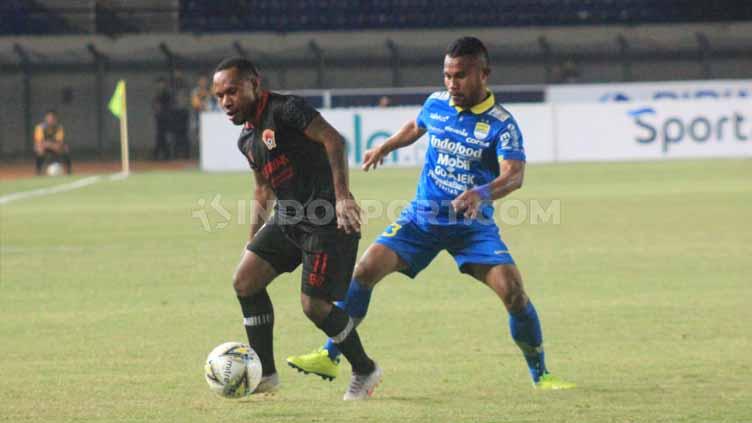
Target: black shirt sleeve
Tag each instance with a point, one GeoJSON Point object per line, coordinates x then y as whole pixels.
{"type": "Point", "coordinates": [244, 145]}
{"type": "Point", "coordinates": [296, 113]}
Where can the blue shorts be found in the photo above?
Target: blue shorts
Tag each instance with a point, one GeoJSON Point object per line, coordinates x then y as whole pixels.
{"type": "Point", "coordinates": [417, 244]}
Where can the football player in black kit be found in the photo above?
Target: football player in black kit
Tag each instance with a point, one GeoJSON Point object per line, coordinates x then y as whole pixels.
{"type": "Point", "coordinates": [298, 159]}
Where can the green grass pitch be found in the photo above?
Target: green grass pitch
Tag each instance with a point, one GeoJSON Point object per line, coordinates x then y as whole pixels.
{"type": "Point", "coordinates": [112, 295]}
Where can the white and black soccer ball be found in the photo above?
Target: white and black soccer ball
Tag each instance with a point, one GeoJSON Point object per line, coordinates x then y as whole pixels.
{"type": "Point", "coordinates": [233, 370]}
{"type": "Point", "coordinates": [54, 169]}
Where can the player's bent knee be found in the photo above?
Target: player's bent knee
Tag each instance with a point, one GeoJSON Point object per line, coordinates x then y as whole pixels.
{"type": "Point", "coordinates": [241, 285]}
{"type": "Point", "coordinates": [506, 281]}
{"type": "Point", "coordinates": [365, 274]}
{"type": "Point", "coordinates": [377, 262]}
{"type": "Point", "coordinates": [515, 300]}
{"type": "Point", "coordinates": [252, 275]}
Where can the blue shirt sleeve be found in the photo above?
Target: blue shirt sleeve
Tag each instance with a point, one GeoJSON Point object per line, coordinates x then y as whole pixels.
{"type": "Point", "coordinates": [423, 115]}
{"type": "Point", "coordinates": [509, 145]}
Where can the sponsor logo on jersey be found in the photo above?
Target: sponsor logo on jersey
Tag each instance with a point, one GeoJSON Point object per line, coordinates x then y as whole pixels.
{"type": "Point", "coordinates": [481, 130]}
{"type": "Point", "coordinates": [434, 129]}
{"type": "Point", "coordinates": [471, 140]}
{"type": "Point", "coordinates": [510, 138]}
{"type": "Point", "coordinates": [439, 117]}
{"type": "Point", "coordinates": [453, 162]}
{"type": "Point", "coordinates": [278, 170]}
{"type": "Point", "coordinates": [268, 138]}
{"type": "Point", "coordinates": [445, 144]}
{"type": "Point", "coordinates": [499, 113]}
{"type": "Point", "coordinates": [458, 131]}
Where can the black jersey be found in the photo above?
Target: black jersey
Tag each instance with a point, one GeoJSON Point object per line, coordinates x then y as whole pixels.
{"type": "Point", "coordinates": [296, 167]}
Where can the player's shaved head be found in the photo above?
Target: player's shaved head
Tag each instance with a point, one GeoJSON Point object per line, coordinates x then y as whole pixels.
{"type": "Point", "coordinates": [237, 88]}
{"type": "Point", "coordinates": [469, 46]}
{"type": "Point", "coordinates": [246, 69]}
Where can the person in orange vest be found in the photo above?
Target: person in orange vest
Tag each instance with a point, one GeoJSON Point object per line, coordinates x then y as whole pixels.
{"type": "Point", "coordinates": [49, 143]}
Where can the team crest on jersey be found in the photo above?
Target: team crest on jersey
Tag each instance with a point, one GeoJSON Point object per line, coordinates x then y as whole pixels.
{"type": "Point", "coordinates": [268, 138]}
{"type": "Point", "coordinates": [481, 130]}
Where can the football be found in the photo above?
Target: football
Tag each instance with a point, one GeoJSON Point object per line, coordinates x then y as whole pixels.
{"type": "Point", "coordinates": [54, 169]}
{"type": "Point", "coordinates": [233, 370]}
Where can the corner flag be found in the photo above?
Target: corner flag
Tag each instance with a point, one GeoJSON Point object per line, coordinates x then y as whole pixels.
{"type": "Point", "coordinates": [117, 102]}
{"type": "Point", "coordinates": [119, 108]}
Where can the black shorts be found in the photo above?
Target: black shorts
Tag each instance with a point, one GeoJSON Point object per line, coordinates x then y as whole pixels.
{"type": "Point", "coordinates": [328, 256]}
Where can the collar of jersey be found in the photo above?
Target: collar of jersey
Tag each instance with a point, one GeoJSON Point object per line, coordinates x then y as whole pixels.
{"type": "Point", "coordinates": [479, 108]}
{"type": "Point", "coordinates": [260, 109]}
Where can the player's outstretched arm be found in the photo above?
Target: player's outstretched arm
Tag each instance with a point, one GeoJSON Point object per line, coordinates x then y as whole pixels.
{"type": "Point", "coordinates": [512, 173]}
{"type": "Point", "coordinates": [263, 195]}
{"type": "Point", "coordinates": [408, 134]}
{"type": "Point", "coordinates": [348, 211]}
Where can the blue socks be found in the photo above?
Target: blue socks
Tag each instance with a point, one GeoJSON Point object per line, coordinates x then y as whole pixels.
{"type": "Point", "coordinates": [524, 326]}
{"type": "Point", "coordinates": [356, 305]}
{"type": "Point", "coordinates": [526, 332]}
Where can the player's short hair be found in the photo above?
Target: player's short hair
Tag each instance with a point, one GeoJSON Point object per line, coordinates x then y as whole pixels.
{"type": "Point", "coordinates": [246, 68]}
{"type": "Point", "coordinates": [50, 112]}
{"type": "Point", "coordinates": [468, 46]}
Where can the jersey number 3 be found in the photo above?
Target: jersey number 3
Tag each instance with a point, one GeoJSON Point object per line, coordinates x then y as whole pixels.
{"type": "Point", "coordinates": [391, 230]}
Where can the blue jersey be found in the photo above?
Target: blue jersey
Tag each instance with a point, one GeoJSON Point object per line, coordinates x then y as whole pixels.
{"type": "Point", "coordinates": [464, 150]}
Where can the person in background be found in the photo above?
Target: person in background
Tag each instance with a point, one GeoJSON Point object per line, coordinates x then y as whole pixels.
{"type": "Point", "coordinates": [49, 142]}
{"type": "Point", "coordinates": [162, 105]}
{"type": "Point", "coordinates": [202, 100]}
{"type": "Point", "coordinates": [180, 116]}
{"type": "Point", "coordinates": [570, 72]}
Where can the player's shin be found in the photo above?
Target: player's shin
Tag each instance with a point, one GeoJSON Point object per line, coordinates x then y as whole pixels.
{"type": "Point", "coordinates": [526, 332]}
{"type": "Point", "coordinates": [39, 164]}
{"type": "Point", "coordinates": [341, 329]}
{"type": "Point", "coordinates": [356, 306]}
{"type": "Point", "coordinates": [258, 318]}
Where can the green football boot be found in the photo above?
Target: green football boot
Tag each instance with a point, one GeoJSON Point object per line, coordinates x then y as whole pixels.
{"type": "Point", "coordinates": [551, 382]}
{"type": "Point", "coordinates": [317, 362]}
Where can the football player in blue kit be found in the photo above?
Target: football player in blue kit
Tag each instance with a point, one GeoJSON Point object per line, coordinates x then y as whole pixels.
{"type": "Point", "coordinates": [475, 156]}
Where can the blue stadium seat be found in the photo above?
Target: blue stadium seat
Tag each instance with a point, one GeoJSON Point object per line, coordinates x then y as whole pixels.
{"type": "Point", "coordinates": [18, 17]}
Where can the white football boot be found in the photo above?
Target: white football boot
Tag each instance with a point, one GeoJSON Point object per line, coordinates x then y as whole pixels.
{"type": "Point", "coordinates": [362, 386]}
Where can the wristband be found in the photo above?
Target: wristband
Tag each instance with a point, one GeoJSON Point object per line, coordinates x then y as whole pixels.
{"type": "Point", "coordinates": [484, 191]}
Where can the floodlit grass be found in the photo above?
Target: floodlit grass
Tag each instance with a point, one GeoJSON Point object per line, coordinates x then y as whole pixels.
{"type": "Point", "coordinates": [112, 295]}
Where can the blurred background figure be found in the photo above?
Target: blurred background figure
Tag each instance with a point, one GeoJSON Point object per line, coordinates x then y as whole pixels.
{"type": "Point", "coordinates": [385, 101]}
{"type": "Point", "coordinates": [202, 100]}
{"type": "Point", "coordinates": [180, 117]}
{"type": "Point", "coordinates": [570, 72]}
{"type": "Point", "coordinates": [49, 144]}
{"type": "Point", "coordinates": [162, 105]}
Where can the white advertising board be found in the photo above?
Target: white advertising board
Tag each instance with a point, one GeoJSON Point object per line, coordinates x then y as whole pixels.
{"type": "Point", "coordinates": [650, 91]}
{"type": "Point", "coordinates": [654, 130]}
{"type": "Point", "coordinates": [218, 146]}
{"type": "Point", "coordinates": [646, 130]}
{"type": "Point", "coordinates": [364, 128]}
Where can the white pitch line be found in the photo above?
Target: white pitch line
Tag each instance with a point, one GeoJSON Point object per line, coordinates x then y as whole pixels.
{"type": "Point", "coordinates": [5, 199]}
{"type": "Point", "coordinates": [119, 176]}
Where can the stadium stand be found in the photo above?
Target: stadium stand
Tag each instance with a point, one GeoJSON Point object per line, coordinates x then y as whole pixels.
{"type": "Point", "coordinates": [27, 17]}
{"type": "Point", "coordinates": [197, 16]}
{"type": "Point", "coordinates": [310, 15]}
{"type": "Point", "coordinates": [531, 42]}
